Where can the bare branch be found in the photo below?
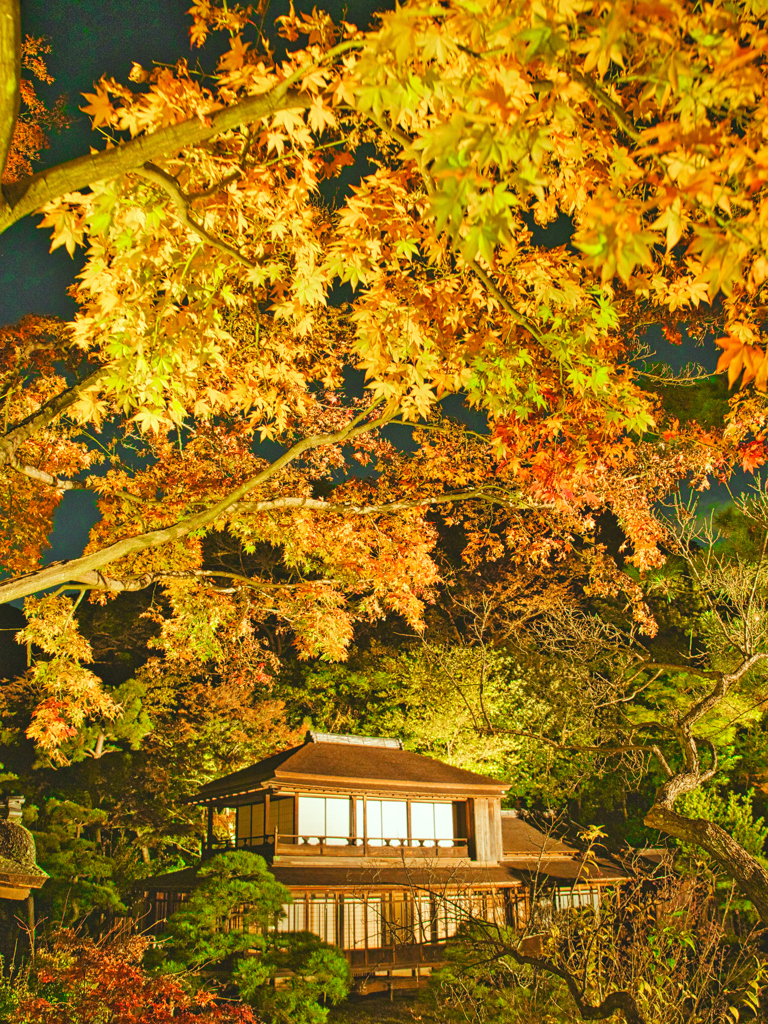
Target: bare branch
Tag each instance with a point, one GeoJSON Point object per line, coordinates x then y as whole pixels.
{"type": "Point", "coordinates": [40, 476]}
{"type": "Point", "coordinates": [615, 1002]}
{"type": "Point", "coordinates": [599, 748]}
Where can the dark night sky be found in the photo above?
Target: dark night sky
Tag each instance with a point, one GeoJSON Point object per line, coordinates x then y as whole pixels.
{"type": "Point", "coordinates": [89, 39]}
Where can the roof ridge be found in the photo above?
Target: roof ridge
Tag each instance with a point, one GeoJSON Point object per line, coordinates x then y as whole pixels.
{"type": "Point", "coordinates": [362, 741]}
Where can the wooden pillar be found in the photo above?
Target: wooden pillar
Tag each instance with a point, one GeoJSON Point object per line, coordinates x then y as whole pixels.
{"type": "Point", "coordinates": [365, 830]}
{"type": "Point", "coordinates": [209, 829]}
{"type": "Point", "coordinates": [266, 816]}
{"type": "Point", "coordinates": [408, 821]}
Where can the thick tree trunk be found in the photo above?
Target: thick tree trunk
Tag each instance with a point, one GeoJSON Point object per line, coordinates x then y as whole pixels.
{"type": "Point", "coordinates": [10, 75]}
{"type": "Point", "coordinates": [748, 873]}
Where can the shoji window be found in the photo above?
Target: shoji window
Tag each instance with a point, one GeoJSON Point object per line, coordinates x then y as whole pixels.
{"type": "Point", "coordinates": [432, 823]}
{"type": "Point", "coordinates": [387, 819]}
{"type": "Point", "coordinates": [579, 896]}
{"type": "Point", "coordinates": [250, 825]}
{"type": "Point", "coordinates": [250, 821]}
{"type": "Point", "coordinates": [354, 922]}
{"type": "Point", "coordinates": [281, 816]}
{"type": "Point", "coordinates": [326, 818]}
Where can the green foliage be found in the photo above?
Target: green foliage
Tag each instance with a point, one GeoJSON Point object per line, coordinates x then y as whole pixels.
{"type": "Point", "coordinates": [464, 705]}
{"type": "Point", "coordinates": [309, 972]}
{"type": "Point", "coordinates": [229, 922]}
{"type": "Point", "coordinates": [733, 812]}
{"type": "Point", "coordinates": [129, 726]}
{"type": "Point", "coordinates": [67, 837]}
{"type": "Point", "coordinates": [12, 989]}
{"type": "Point", "coordinates": [229, 912]}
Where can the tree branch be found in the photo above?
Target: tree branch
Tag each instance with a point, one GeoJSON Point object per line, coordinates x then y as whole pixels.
{"type": "Point", "coordinates": [615, 1002]}
{"type": "Point", "coordinates": [29, 194]}
{"type": "Point", "coordinates": [40, 476]}
{"type": "Point", "coordinates": [183, 203]}
{"type": "Point", "coordinates": [724, 680]}
{"type": "Point", "coordinates": [80, 574]}
{"type": "Point", "coordinates": [606, 748]}
{"type": "Point", "coordinates": [61, 573]}
{"type": "Point", "coordinates": [48, 411]}
{"type": "Point", "coordinates": [10, 77]}
{"type": "Point", "coordinates": [505, 303]}
{"type": "Point", "coordinates": [747, 872]}
{"type": "Point", "coordinates": [605, 100]}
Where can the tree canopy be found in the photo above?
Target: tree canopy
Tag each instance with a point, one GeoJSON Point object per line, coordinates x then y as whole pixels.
{"type": "Point", "coordinates": [205, 390]}
{"type": "Point", "coordinates": [363, 318]}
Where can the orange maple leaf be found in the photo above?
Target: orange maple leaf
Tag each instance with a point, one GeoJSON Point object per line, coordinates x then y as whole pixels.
{"type": "Point", "coordinates": [737, 357]}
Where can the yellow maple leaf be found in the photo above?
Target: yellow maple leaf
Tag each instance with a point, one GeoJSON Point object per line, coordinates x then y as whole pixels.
{"type": "Point", "coordinates": [99, 108]}
{"type": "Point", "coordinates": [320, 115]}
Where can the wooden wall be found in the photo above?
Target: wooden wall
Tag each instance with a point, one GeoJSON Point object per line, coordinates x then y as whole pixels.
{"type": "Point", "coordinates": [486, 829]}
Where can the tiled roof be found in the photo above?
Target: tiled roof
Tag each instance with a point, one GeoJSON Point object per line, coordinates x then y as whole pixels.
{"type": "Point", "coordinates": [351, 878]}
{"type": "Point", "coordinates": [530, 853]}
{"type": "Point", "coordinates": [519, 839]}
{"type": "Point", "coordinates": [351, 767]}
{"type": "Point", "coordinates": [566, 869]}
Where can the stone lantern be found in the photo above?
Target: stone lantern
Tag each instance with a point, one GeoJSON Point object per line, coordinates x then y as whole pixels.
{"type": "Point", "coordinates": [18, 867]}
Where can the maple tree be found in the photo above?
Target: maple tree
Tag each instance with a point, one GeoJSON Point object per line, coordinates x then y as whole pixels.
{"type": "Point", "coordinates": [77, 980]}
{"type": "Point", "coordinates": [33, 126]}
{"type": "Point", "coordinates": [210, 323]}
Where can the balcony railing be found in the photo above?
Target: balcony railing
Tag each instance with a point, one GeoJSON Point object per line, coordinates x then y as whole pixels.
{"type": "Point", "coordinates": [347, 846]}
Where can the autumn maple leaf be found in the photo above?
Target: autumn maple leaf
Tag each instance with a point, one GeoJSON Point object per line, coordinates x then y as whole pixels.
{"type": "Point", "coordinates": [99, 107]}
{"type": "Point", "coordinates": [737, 356]}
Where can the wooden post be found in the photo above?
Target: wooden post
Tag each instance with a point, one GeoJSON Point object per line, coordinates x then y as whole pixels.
{"type": "Point", "coordinates": [31, 921]}
{"type": "Point", "coordinates": [408, 829]}
{"type": "Point", "coordinates": [209, 829]}
{"type": "Point", "coordinates": [365, 827]}
{"type": "Point", "coordinates": [267, 822]}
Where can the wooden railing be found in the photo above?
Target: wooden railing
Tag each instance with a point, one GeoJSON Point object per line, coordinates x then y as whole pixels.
{"type": "Point", "coordinates": [350, 846]}
{"type": "Point", "coordinates": [347, 846]}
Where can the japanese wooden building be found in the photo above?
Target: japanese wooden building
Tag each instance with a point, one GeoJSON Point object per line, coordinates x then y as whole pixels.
{"type": "Point", "coordinates": [385, 851]}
